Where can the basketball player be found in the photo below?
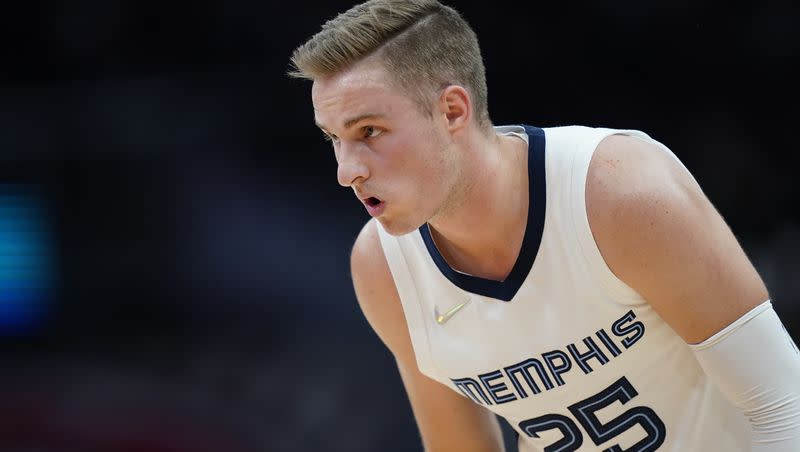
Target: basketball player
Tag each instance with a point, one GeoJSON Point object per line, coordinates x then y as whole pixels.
{"type": "Point", "coordinates": [573, 280]}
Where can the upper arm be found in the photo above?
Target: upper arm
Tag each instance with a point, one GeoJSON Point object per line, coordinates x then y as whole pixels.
{"type": "Point", "coordinates": [446, 420]}
{"type": "Point", "coordinates": [659, 234]}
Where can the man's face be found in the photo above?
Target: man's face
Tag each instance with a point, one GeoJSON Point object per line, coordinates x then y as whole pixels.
{"type": "Point", "coordinates": [397, 159]}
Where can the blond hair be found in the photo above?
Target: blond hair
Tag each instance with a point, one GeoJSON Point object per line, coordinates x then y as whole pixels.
{"type": "Point", "coordinates": [425, 45]}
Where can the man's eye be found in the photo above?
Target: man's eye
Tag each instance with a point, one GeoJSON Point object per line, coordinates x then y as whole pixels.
{"type": "Point", "coordinates": [371, 132]}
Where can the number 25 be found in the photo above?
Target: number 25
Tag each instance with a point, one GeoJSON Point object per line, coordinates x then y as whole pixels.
{"type": "Point", "coordinates": [584, 411]}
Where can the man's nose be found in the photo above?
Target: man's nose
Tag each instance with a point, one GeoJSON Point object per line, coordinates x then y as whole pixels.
{"type": "Point", "coordinates": [351, 165]}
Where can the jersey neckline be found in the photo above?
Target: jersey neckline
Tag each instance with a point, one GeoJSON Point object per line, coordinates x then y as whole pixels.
{"type": "Point", "coordinates": [506, 289]}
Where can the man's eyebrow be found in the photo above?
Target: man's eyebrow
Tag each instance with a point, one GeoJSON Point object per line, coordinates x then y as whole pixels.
{"type": "Point", "coordinates": [355, 120]}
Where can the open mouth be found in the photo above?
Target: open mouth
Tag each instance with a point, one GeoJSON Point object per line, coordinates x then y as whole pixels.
{"type": "Point", "coordinates": [375, 206]}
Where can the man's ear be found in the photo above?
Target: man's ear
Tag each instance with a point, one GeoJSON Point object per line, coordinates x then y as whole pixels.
{"type": "Point", "coordinates": [456, 105]}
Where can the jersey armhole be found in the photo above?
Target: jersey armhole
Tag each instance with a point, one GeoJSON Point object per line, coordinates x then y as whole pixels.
{"type": "Point", "coordinates": [409, 298]}
{"type": "Point", "coordinates": [580, 219]}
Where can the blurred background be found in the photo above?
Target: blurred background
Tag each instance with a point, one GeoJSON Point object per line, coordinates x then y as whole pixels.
{"type": "Point", "coordinates": [174, 245]}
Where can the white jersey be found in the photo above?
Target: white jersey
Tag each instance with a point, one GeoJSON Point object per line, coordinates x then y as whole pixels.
{"type": "Point", "coordinates": [572, 357]}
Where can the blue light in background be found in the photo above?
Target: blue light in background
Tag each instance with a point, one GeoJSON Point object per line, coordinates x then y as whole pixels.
{"type": "Point", "coordinates": [26, 261]}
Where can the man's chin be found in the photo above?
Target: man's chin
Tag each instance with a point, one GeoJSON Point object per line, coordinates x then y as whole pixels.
{"type": "Point", "coordinates": [397, 228]}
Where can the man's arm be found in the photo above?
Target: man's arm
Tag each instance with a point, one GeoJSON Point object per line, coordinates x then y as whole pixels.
{"type": "Point", "coordinates": [660, 235]}
{"type": "Point", "coordinates": [446, 420]}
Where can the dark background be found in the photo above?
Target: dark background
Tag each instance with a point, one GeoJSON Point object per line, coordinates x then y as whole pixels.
{"type": "Point", "coordinates": [174, 246]}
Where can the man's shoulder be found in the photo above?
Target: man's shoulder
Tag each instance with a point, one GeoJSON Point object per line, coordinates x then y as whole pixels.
{"type": "Point", "coordinates": [637, 195]}
{"type": "Point", "coordinates": [368, 265]}
{"type": "Point", "coordinates": [566, 140]}
{"type": "Point", "coordinates": [624, 167]}
{"type": "Point", "coordinates": [376, 292]}
{"type": "Point", "coordinates": [367, 250]}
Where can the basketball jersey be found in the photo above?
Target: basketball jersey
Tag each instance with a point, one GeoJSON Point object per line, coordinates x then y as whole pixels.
{"type": "Point", "coordinates": [572, 357]}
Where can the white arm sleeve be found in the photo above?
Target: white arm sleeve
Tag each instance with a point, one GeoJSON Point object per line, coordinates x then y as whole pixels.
{"type": "Point", "coordinates": [755, 363]}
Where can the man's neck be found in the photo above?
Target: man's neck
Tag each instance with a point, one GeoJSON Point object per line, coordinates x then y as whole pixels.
{"type": "Point", "coordinates": [481, 231]}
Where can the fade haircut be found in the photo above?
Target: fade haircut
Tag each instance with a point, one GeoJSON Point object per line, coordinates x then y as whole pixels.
{"type": "Point", "coordinates": [423, 44]}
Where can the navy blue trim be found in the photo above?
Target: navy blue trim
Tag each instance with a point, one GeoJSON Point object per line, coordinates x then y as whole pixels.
{"type": "Point", "coordinates": [505, 290]}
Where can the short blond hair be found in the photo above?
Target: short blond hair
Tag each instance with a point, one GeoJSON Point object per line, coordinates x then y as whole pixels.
{"type": "Point", "coordinates": [424, 44]}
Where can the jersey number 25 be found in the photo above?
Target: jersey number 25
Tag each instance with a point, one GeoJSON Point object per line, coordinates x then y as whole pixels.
{"type": "Point", "coordinates": [584, 411]}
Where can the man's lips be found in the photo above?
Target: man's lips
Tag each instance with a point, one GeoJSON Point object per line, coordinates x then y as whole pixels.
{"type": "Point", "coordinates": [371, 201]}
{"type": "Point", "coordinates": [375, 206]}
